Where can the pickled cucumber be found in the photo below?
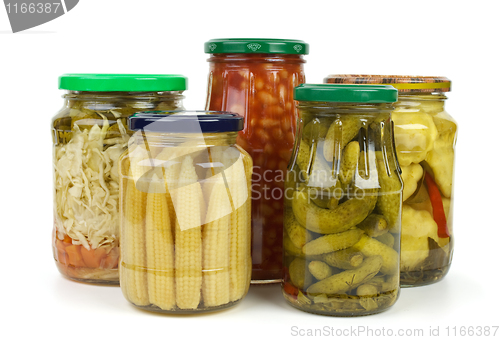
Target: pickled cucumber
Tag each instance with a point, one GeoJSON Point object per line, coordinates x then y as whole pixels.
{"type": "Point", "coordinates": [298, 234]}
{"type": "Point", "coordinates": [371, 247]}
{"type": "Point", "coordinates": [349, 162]}
{"type": "Point", "coordinates": [314, 169]}
{"type": "Point", "coordinates": [332, 203]}
{"type": "Point", "coordinates": [344, 259]}
{"type": "Point", "coordinates": [291, 249]}
{"type": "Point", "coordinates": [332, 242]}
{"type": "Point", "coordinates": [386, 239]}
{"type": "Point", "coordinates": [389, 201]}
{"type": "Point", "coordinates": [348, 279]}
{"type": "Point", "coordinates": [320, 270]}
{"type": "Point", "coordinates": [303, 158]}
{"type": "Point", "coordinates": [377, 281]}
{"type": "Point", "coordinates": [326, 198]}
{"type": "Point", "coordinates": [367, 290]}
{"type": "Point", "coordinates": [299, 274]}
{"type": "Point", "coordinates": [321, 202]}
{"type": "Point", "coordinates": [391, 283]}
{"type": "Point", "coordinates": [374, 225]}
{"type": "Point", "coordinates": [367, 294]}
{"type": "Point", "coordinates": [340, 132]}
{"type": "Point", "coordinates": [329, 221]}
{"type": "Point", "coordinates": [316, 129]}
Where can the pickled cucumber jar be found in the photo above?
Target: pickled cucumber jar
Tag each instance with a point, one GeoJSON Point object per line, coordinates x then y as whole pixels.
{"type": "Point", "coordinates": [425, 137]}
{"type": "Point", "coordinates": [342, 218]}
{"type": "Point", "coordinates": [255, 79]}
{"type": "Point", "coordinates": [185, 212]}
{"type": "Point", "coordinates": [89, 134]}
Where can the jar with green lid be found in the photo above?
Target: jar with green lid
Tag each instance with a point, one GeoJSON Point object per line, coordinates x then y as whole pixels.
{"type": "Point", "coordinates": [255, 78]}
{"type": "Point", "coordinates": [343, 192]}
{"type": "Point", "coordinates": [425, 136]}
{"type": "Point", "coordinates": [89, 134]}
{"type": "Point", "coordinates": [185, 217]}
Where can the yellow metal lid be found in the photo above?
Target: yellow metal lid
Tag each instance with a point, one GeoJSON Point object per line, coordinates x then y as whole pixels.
{"type": "Point", "coordinates": [404, 84]}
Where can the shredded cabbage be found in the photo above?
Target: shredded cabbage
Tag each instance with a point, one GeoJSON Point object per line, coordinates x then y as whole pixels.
{"type": "Point", "coordinates": [86, 185]}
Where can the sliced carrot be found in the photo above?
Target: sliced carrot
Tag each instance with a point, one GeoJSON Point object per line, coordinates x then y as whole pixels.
{"type": "Point", "coordinates": [75, 257]}
{"type": "Point", "coordinates": [93, 257]}
{"type": "Point", "coordinates": [62, 257]}
{"type": "Point", "coordinates": [111, 261]}
{"type": "Point", "coordinates": [68, 240]}
{"type": "Point", "coordinates": [60, 245]}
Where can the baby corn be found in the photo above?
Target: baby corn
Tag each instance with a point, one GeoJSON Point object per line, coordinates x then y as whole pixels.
{"type": "Point", "coordinates": [216, 247]}
{"type": "Point", "coordinates": [188, 246]}
{"type": "Point", "coordinates": [133, 241]}
{"type": "Point", "coordinates": [160, 249]}
{"type": "Point", "coordinates": [240, 219]}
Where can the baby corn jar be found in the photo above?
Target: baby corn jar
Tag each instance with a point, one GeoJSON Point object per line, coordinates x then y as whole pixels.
{"type": "Point", "coordinates": [425, 136]}
{"type": "Point", "coordinates": [343, 194]}
{"type": "Point", "coordinates": [185, 212]}
{"type": "Point", "coordinates": [89, 135]}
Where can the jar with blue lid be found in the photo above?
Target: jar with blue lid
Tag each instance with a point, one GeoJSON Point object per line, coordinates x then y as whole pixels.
{"type": "Point", "coordinates": [185, 212]}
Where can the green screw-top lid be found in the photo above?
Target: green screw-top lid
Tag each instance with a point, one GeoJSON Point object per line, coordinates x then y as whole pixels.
{"type": "Point", "coordinates": [122, 82]}
{"type": "Point", "coordinates": [346, 93]}
{"type": "Point", "coordinates": [253, 45]}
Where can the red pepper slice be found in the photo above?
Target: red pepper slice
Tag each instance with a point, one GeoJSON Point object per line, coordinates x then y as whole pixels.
{"type": "Point", "coordinates": [291, 290]}
{"type": "Point", "coordinates": [286, 275]}
{"type": "Point", "coordinates": [437, 206]}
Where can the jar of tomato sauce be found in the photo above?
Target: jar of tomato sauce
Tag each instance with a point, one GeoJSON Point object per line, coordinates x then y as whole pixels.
{"type": "Point", "coordinates": [255, 79]}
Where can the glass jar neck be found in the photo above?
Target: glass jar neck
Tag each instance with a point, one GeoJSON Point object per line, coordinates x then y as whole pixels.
{"type": "Point", "coordinates": [110, 100]}
{"type": "Point", "coordinates": [421, 96]}
{"type": "Point", "coordinates": [115, 96]}
{"type": "Point", "coordinates": [256, 58]}
{"type": "Point", "coordinates": [332, 110]}
{"type": "Point", "coordinates": [421, 100]}
{"type": "Point", "coordinates": [195, 140]}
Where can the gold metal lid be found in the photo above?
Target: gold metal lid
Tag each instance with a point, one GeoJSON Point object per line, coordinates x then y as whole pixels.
{"type": "Point", "coordinates": [404, 84]}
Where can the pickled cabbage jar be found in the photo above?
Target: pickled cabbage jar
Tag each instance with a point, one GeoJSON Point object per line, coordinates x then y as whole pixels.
{"type": "Point", "coordinates": [343, 192]}
{"type": "Point", "coordinates": [255, 79]}
{"type": "Point", "coordinates": [89, 135]}
{"type": "Point", "coordinates": [185, 198]}
{"type": "Point", "coordinates": [425, 137]}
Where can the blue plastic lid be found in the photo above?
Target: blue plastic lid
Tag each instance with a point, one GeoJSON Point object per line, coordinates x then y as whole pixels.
{"type": "Point", "coordinates": [185, 121]}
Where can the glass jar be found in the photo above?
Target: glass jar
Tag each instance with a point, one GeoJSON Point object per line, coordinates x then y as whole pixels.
{"type": "Point", "coordinates": [185, 188]}
{"type": "Point", "coordinates": [89, 134]}
{"type": "Point", "coordinates": [425, 137]}
{"type": "Point", "coordinates": [255, 79]}
{"type": "Point", "coordinates": [343, 202]}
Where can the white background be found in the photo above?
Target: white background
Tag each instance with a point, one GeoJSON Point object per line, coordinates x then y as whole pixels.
{"type": "Point", "coordinates": [450, 38]}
